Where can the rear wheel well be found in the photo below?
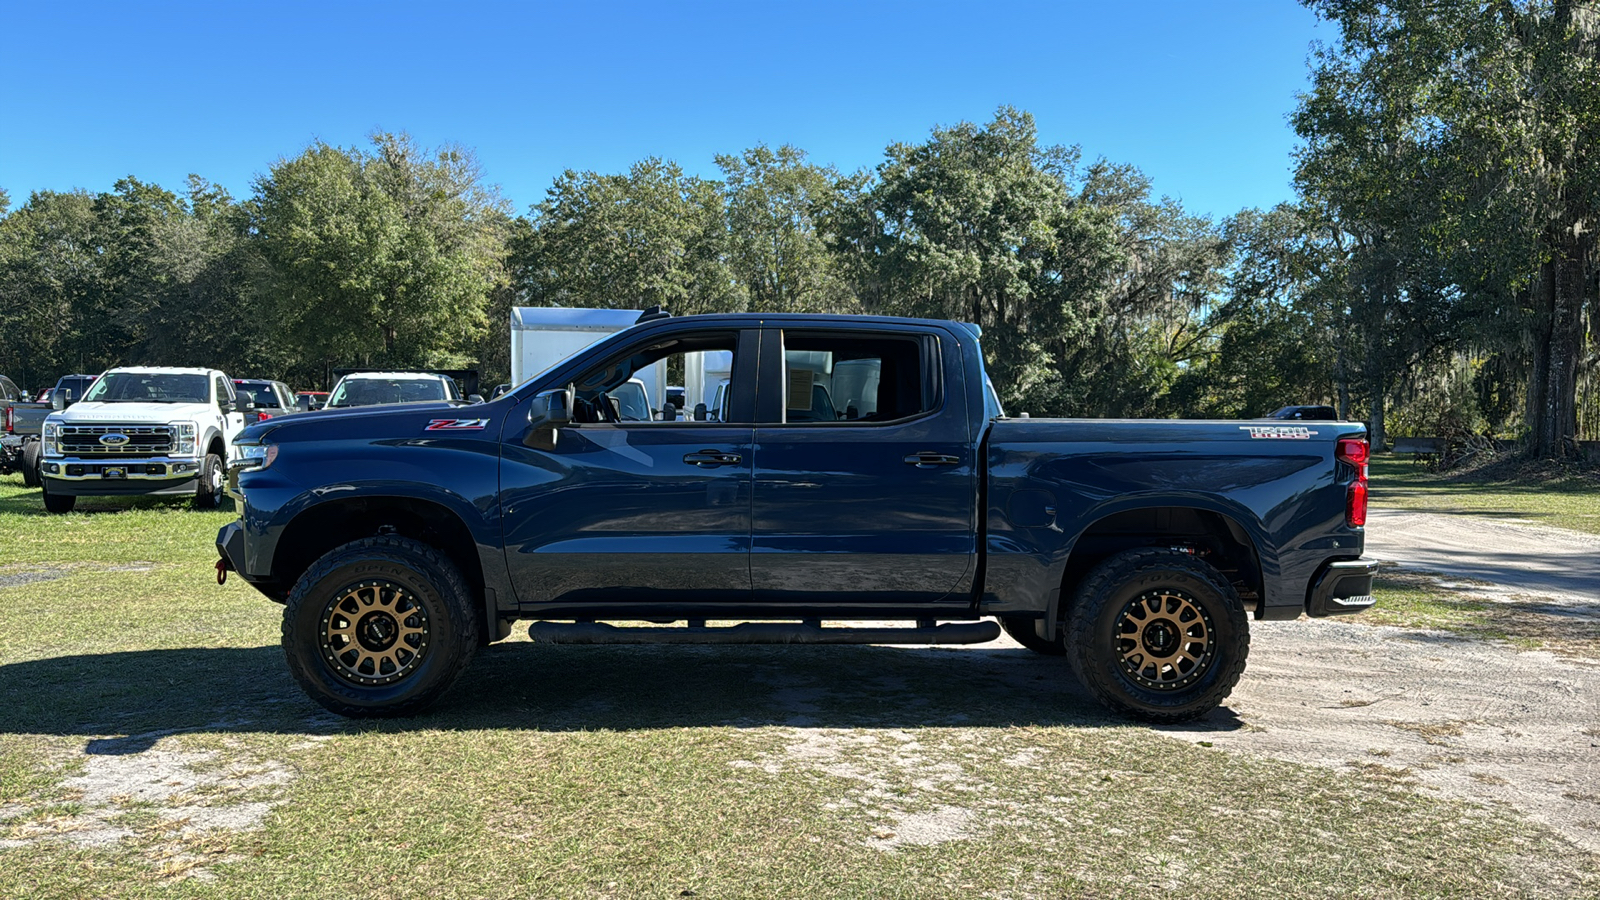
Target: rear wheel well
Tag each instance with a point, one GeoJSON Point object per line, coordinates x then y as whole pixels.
{"type": "Point", "coordinates": [321, 528]}
{"type": "Point", "coordinates": [1211, 536]}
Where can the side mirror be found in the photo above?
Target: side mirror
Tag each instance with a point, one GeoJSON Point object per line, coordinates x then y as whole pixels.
{"type": "Point", "coordinates": [58, 400]}
{"type": "Point", "coordinates": [669, 413]}
{"type": "Point", "coordinates": [303, 404]}
{"type": "Point", "coordinates": [699, 412]}
{"type": "Point", "coordinates": [549, 411]}
{"type": "Point", "coordinates": [245, 403]}
{"type": "Point", "coordinates": [474, 398]}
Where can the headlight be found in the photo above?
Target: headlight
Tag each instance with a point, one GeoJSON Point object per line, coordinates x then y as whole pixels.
{"type": "Point", "coordinates": [51, 438]}
{"type": "Point", "coordinates": [183, 445]}
{"type": "Point", "coordinates": [255, 456]}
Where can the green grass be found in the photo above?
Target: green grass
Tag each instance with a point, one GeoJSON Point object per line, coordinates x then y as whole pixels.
{"type": "Point", "coordinates": [1562, 496]}
{"type": "Point", "coordinates": [1418, 600]}
{"type": "Point", "coordinates": [640, 771]}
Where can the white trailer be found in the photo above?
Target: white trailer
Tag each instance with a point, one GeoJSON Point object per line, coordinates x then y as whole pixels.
{"type": "Point", "coordinates": [542, 336]}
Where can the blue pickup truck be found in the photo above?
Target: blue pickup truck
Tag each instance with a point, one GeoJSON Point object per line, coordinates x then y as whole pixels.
{"type": "Point", "coordinates": [855, 470]}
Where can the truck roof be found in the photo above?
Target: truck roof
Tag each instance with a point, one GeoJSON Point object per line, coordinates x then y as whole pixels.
{"type": "Point", "coordinates": [166, 370]}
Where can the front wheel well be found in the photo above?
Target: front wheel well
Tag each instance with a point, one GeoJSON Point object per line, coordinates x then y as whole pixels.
{"type": "Point", "coordinates": [317, 530]}
{"type": "Point", "coordinates": [1213, 537]}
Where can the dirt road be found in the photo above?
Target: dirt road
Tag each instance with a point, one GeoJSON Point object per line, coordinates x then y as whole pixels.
{"type": "Point", "coordinates": [1559, 564]}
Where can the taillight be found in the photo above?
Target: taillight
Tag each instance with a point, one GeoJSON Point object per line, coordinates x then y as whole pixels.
{"type": "Point", "coordinates": [262, 417]}
{"type": "Point", "coordinates": [1355, 452]}
{"type": "Point", "coordinates": [9, 426]}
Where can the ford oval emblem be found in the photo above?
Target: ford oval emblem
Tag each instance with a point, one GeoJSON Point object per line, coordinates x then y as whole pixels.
{"type": "Point", "coordinates": [114, 440]}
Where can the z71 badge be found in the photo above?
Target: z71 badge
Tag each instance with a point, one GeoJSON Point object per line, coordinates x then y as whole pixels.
{"type": "Point", "coordinates": [1279, 432]}
{"type": "Point", "coordinates": [457, 425]}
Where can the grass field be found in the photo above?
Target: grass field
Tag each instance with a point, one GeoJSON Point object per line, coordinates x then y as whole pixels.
{"type": "Point", "coordinates": [1562, 496]}
{"type": "Point", "coordinates": [152, 745]}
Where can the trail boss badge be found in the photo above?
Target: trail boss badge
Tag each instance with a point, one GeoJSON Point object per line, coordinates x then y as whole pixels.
{"type": "Point", "coordinates": [1279, 432]}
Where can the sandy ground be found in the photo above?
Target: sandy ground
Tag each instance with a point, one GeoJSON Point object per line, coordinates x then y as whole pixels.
{"type": "Point", "coordinates": [1467, 719]}
{"type": "Point", "coordinates": [1560, 564]}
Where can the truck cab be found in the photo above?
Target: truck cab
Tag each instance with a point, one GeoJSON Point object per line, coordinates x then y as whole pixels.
{"type": "Point", "coordinates": [143, 431]}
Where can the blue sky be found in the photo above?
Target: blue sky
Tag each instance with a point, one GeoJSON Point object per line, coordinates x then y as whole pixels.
{"type": "Point", "coordinates": [1195, 94]}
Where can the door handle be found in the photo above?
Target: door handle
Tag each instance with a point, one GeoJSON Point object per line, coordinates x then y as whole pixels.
{"type": "Point", "coordinates": [710, 459]}
{"type": "Point", "coordinates": [928, 458]}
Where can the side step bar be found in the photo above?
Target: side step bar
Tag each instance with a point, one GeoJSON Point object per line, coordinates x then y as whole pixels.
{"type": "Point", "coordinates": [762, 633]}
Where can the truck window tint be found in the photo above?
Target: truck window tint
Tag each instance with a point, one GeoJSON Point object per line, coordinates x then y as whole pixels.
{"type": "Point", "coordinates": [633, 387]}
{"type": "Point", "coordinates": [848, 378]}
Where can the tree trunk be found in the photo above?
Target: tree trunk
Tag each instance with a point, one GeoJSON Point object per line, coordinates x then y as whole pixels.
{"type": "Point", "coordinates": [1557, 345]}
{"type": "Point", "coordinates": [1375, 430]}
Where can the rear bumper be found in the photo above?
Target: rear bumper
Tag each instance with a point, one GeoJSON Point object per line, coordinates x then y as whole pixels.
{"type": "Point", "coordinates": [1341, 587]}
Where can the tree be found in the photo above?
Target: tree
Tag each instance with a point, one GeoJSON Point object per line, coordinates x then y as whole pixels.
{"type": "Point", "coordinates": [775, 250]}
{"type": "Point", "coordinates": [386, 256]}
{"type": "Point", "coordinates": [50, 270]}
{"type": "Point", "coordinates": [977, 224]}
{"type": "Point", "coordinates": [1452, 143]}
{"type": "Point", "coordinates": [652, 237]}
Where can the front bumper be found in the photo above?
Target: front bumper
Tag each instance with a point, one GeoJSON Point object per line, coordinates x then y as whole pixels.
{"type": "Point", "coordinates": [1341, 587]}
{"type": "Point", "coordinates": [145, 476]}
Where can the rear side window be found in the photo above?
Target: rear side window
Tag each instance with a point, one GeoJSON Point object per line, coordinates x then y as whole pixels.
{"type": "Point", "coordinates": [850, 378]}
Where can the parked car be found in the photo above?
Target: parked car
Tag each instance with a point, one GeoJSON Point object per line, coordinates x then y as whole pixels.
{"type": "Point", "coordinates": [143, 431]}
{"type": "Point", "coordinates": [401, 539]}
{"type": "Point", "coordinates": [381, 388]}
{"type": "Point", "coordinates": [1314, 413]}
{"type": "Point", "coordinates": [22, 422]}
{"type": "Point", "coordinates": [271, 398]}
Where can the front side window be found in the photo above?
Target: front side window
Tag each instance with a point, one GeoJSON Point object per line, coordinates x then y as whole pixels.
{"type": "Point", "coordinates": [853, 378]}
{"type": "Point", "coordinates": [149, 387]}
{"type": "Point", "coordinates": [632, 388]}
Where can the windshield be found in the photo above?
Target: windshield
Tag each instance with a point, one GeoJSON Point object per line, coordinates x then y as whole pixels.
{"type": "Point", "coordinates": [150, 387]}
{"type": "Point", "coordinates": [377, 391]}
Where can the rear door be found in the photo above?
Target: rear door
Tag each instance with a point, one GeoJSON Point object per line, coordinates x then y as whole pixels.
{"type": "Point", "coordinates": [633, 508]}
{"type": "Point", "coordinates": [865, 485]}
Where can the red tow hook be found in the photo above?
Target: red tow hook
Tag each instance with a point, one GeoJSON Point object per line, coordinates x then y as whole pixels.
{"type": "Point", "coordinates": [222, 571]}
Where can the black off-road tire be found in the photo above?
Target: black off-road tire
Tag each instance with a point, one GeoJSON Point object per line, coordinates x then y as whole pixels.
{"type": "Point", "coordinates": [208, 493]}
{"type": "Point", "coordinates": [1141, 604]}
{"type": "Point", "coordinates": [326, 633]}
{"type": "Point", "coordinates": [31, 451]}
{"type": "Point", "coordinates": [1022, 631]}
{"type": "Point", "coordinates": [56, 503]}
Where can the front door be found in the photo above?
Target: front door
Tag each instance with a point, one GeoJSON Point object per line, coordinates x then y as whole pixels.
{"type": "Point", "coordinates": [865, 485]}
{"type": "Point", "coordinates": [635, 506]}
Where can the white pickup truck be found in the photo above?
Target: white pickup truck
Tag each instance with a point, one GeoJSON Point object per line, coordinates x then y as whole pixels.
{"type": "Point", "coordinates": [143, 431]}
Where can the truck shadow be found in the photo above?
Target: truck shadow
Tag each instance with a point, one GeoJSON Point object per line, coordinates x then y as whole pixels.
{"type": "Point", "coordinates": [122, 703]}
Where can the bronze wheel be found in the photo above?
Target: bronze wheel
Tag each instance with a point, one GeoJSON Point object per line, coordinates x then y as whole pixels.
{"type": "Point", "coordinates": [1165, 640]}
{"type": "Point", "coordinates": [380, 627]}
{"type": "Point", "coordinates": [1159, 634]}
{"type": "Point", "coordinates": [373, 633]}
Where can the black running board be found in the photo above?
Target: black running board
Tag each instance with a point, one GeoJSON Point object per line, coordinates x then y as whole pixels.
{"type": "Point", "coordinates": [762, 633]}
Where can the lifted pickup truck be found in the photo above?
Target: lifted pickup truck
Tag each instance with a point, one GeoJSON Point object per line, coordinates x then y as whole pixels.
{"type": "Point", "coordinates": [143, 431]}
{"type": "Point", "coordinates": [862, 470]}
